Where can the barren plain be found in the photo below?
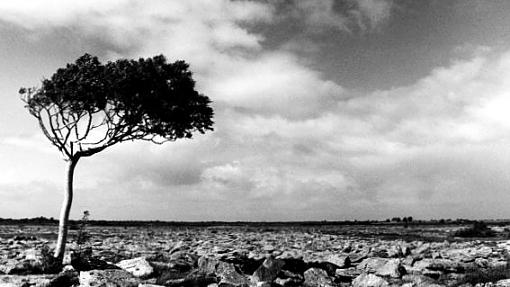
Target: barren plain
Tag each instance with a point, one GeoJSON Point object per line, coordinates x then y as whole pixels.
{"type": "Point", "coordinates": [258, 255]}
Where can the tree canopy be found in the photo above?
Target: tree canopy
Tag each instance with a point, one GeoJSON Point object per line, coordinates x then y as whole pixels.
{"type": "Point", "coordinates": [88, 106]}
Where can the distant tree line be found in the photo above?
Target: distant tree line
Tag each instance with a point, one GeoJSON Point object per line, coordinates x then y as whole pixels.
{"type": "Point", "coordinates": [408, 219]}
{"type": "Point", "coordinates": [41, 220]}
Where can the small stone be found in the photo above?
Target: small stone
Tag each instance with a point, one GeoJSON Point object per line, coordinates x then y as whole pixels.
{"type": "Point", "coordinates": [283, 282]}
{"type": "Point", "coordinates": [68, 268]}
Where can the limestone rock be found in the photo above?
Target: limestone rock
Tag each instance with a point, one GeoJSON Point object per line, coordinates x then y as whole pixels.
{"type": "Point", "coordinates": [503, 283]}
{"type": "Point", "coordinates": [26, 280]}
{"type": "Point", "coordinates": [207, 265]}
{"type": "Point", "coordinates": [417, 280]}
{"type": "Point", "coordinates": [108, 278]}
{"type": "Point", "coordinates": [341, 261]}
{"type": "Point", "coordinates": [392, 268]}
{"type": "Point", "coordinates": [139, 267]}
{"type": "Point", "coordinates": [315, 277]}
{"type": "Point", "coordinates": [268, 271]}
{"type": "Point", "coordinates": [371, 265]}
{"type": "Point", "coordinates": [422, 249]}
{"type": "Point", "coordinates": [229, 277]}
{"type": "Point", "coordinates": [369, 280]}
{"type": "Point", "coordinates": [348, 273]}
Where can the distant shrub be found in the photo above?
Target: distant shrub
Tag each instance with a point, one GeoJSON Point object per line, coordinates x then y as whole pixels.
{"type": "Point", "coordinates": [82, 235]}
{"type": "Point", "coordinates": [478, 229]}
{"type": "Point", "coordinates": [82, 255]}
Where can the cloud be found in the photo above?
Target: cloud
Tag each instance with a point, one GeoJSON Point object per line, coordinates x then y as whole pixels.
{"type": "Point", "coordinates": [274, 83]}
{"type": "Point", "coordinates": [373, 12]}
{"type": "Point", "coordinates": [425, 144]}
{"type": "Point", "coordinates": [120, 24]}
{"type": "Point", "coordinates": [228, 59]}
{"type": "Point", "coordinates": [289, 143]}
{"type": "Point", "coordinates": [422, 149]}
{"type": "Point", "coordinates": [349, 16]}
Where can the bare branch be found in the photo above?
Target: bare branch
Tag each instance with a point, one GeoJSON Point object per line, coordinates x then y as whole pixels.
{"type": "Point", "coordinates": [87, 130]}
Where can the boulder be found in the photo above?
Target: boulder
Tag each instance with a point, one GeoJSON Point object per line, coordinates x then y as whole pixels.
{"type": "Point", "coordinates": [315, 277]}
{"type": "Point", "coordinates": [394, 251]}
{"type": "Point", "coordinates": [229, 277]}
{"type": "Point", "coordinates": [139, 267]}
{"type": "Point", "coordinates": [348, 274]}
{"type": "Point", "coordinates": [503, 283]}
{"type": "Point", "coordinates": [359, 255]}
{"type": "Point", "coordinates": [443, 265]}
{"type": "Point", "coordinates": [371, 265]}
{"type": "Point", "coordinates": [392, 268]}
{"type": "Point", "coordinates": [341, 261]}
{"type": "Point", "coordinates": [268, 271]}
{"type": "Point", "coordinates": [207, 265]}
{"type": "Point", "coordinates": [421, 250]}
{"type": "Point", "coordinates": [369, 280]}
{"type": "Point", "coordinates": [417, 280]}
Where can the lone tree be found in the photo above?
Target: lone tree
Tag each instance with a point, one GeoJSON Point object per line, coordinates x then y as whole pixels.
{"type": "Point", "coordinates": [87, 106]}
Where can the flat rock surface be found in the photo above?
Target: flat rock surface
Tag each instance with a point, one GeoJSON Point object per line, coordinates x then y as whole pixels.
{"type": "Point", "coordinates": [262, 255]}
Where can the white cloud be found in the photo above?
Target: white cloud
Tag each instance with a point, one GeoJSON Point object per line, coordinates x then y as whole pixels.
{"type": "Point", "coordinates": [274, 83]}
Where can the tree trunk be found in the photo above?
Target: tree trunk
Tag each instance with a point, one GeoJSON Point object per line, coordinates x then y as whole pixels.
{"type": "Point", "coordinates": [64, 212]}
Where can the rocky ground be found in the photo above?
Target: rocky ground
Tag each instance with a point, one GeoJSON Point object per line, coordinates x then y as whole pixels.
{"type": "Point", "coordinates": [237, 256]}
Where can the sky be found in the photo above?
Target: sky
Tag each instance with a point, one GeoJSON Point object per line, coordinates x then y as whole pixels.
{"type": "Point", "coordinates": [324, 109]}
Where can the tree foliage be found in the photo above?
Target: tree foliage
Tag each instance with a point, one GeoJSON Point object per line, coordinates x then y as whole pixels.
{"type": "Point", "coordinates": [88, 106]}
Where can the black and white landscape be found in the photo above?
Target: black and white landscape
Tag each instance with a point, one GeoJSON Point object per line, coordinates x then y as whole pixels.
{"type": "Point", "coordinates": [254, 143]}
